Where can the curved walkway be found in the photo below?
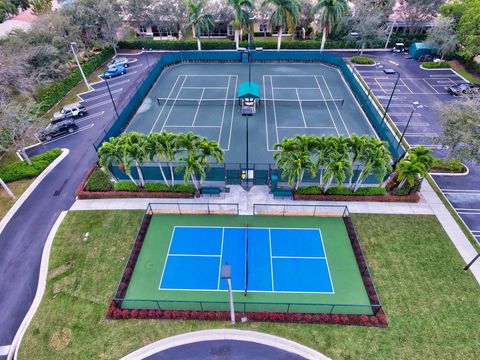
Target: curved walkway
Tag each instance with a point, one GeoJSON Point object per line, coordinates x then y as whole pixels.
{"type": "Point", "coordinates": [225, 344]}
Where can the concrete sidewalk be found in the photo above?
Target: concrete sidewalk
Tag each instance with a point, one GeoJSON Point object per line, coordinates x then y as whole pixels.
{"type": "Point", "coordinates": [430, 204]}
{"type": "Point", "coordinates": [257, 195]}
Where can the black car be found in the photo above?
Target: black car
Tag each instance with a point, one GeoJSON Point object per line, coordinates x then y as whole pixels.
{"type": "Point", "coordinates": [53, 130]}
{"type": "Point", "coordinates": [464, 89]}
{"type": "Point", "coordinates": [69, 111]}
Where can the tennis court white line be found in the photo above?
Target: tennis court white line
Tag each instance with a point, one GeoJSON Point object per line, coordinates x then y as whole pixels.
{"type": "Point", "coordinates": [190, 126]}
{"type": "Point", "coordinates": [204, 87]}
{"type": "Point", "coordinates": [308, 127]}
{"type": "Point", "coordinates": [271, 262]}
{"type": "Point", "coordinates": [301, 109]}
{"type": "Point", "coordinates": [195, 255]}
{"type": "Point", "coordinates": [198, 107]}
{"type": "Point", "coordinates": [265, 111]}
{"type": "Point", "coordinates": [166, 258]}
{"type": "Point", "coordinates": [298, 257]}
{"type": "Point", "coordinates": [163, 107]}
{"type": "Point", "coordinates": [221, 248]}
{"type": "Point", "coordinates": [336, 106]}
{"type": "Point", "coordinates": [233, 113]}
{"type": "Point", "coordinates": [224, 109]}
{"type": "Point", "coordinates": [326, 261]}
{"type": "Point", "coordinates": [259, 291]}
{"type": "Point", "coordinates": [274, 110]}
{"type": "Point", "coordinates": [326, 104]}
{"type": "Point", "coordinates": [174, 101]}
{"type": "Point", "coordinates": [294, 88]}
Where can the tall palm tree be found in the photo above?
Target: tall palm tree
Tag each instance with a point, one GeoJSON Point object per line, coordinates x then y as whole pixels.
{"type": "Point", "coordinates": [198, 19]}
{"type": "Point", "coordinates": [375, 158]}
{"type": "Point", "coordinates": [332, 12]}
{"type": "Point", "coordinates": [134, 147]}
{"type": "Point", "coordinates": [356, 147]}
{"type": "Point", "coordinates": [423, 154]}
{"type": "Point", "coordinates": [338, 168]}
{"type": "Point", "coordinates": [294, 160]}
{"type": "Point", "coordinates": [242, 9]}
{"type": "Point", "coordinates": [323, 146]}
{"type": "Point", "coordinates": [209, 150]}
{"type": "Point", "coordinates": [193, 164]}
{"type": "Point", "coordinates": [285, 14]}
{"type": "Point", "coordinates": [171, 150]}
{"type": "Point", "coordinates": [155, 148]}
{"type": "Point", "coordinates": [110, 153]}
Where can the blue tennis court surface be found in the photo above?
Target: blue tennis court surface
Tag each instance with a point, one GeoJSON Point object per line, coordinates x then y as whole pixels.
{"type": "Point", "coordinates": [261, 259]}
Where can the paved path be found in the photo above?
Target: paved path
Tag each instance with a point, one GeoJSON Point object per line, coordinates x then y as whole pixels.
{"type": "Point", "coordinates": [23, 238]}
{"type": "Point", "coordinates": [228, 344]}
{"type": "Point", "coordinates": [257, 195]}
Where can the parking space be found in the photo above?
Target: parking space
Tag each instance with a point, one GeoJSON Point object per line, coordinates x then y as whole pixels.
{"type": "Point", "coordinates": [425, 88]}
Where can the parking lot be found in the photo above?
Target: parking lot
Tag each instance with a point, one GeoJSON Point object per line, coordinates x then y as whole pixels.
{"type": "Point", "coordinates": [425, 87]}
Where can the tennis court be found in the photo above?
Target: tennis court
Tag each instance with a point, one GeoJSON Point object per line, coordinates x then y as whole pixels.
{"type": "Point", "coordinates": [295, 99]}
{"type": "Point", "coordinates": [278, 263]}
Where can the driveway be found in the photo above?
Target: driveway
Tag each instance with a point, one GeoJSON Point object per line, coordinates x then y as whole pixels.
{"type": "Point", "coordinates": [426, 87]}
{"type": "Point", "coordinates": [22, 240]}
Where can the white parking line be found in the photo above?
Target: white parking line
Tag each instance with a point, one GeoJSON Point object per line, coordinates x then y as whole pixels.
{"type": "Point", "coordinates": [89, 117]}
{"type": "Point", "coordinates": [421, 134]}
{"type": "Point", "coordinates": [4, 350]}
{"type": "Point", "coordinates": [393, 62]}
{"type": "Point", "coordinates": [103, 95]}
{"type": "Point", "coordinates": [461, 191]}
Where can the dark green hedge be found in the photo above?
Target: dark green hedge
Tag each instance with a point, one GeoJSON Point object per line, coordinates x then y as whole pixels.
{"type": "Point", "coordinates": [21, 170]}
{"type": "Point", "coordinates": [99, 181]}
{"type": "Point", "coordinates": [125, 186]}
{"type": "Point", "coordinates": [177, 45]}
{"type": "Point", "coordinates": [435, 65]}
{"type": "Point", "coordinates": [157, 187]}
{"type": "Point", "coordinates": [453, 165]}
{"type": "Point", "coordinates": [315, 190]}
{"type": "Point", "coordinates": [49, 95]}
{"type": "Point", "coordinates": [363, 60]}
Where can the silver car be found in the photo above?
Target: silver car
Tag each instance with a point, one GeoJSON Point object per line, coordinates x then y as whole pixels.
{"type": "Point", "coordinates": [69, 111]}
{"type": "Point", "coordinates": [118, 61]}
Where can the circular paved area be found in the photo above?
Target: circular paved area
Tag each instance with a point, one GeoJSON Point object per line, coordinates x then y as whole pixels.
{"type": "Point", "coordinates": [224, 350]}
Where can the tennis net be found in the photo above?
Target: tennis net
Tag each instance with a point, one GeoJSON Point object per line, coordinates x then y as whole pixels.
{"type": "Point", "coordinates": [276, 102]}
{"type": "Point", "coordinates": [246, 258]}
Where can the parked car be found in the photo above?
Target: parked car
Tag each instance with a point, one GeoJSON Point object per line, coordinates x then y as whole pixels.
{"type": "Point", "coordinates": [464, 89]}
{"type": "Point", "coordinates": [66, 126]}
{"type": "Point", "coordinates": [114, 71]}
{"type": "Point", "coordinates": [118, 61]}
{"type": "Point", "coordinates": [399, 48]}
{"type": "Point", "coordinates": [425, 58]}
{"type": "Point", "coordinates": [69, 111]}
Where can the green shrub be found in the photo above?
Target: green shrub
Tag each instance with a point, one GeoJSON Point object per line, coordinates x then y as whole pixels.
{"type": "Point", "coordinates": [99, 181]}
{"type": "Point", "coordinates": [49, 95]}
{"type": "Point", "coordinates": [177, 45]}
{"type": "Point", "coordinates": [435, 65]}
{"type": "Point", "coordinates": [158, 187]}
{"type": "Point", "coordinates": [125, 186]}
{"type": "Point", "coordinates": [363, 60]}
{"type": "Point", "coordinates": [363, 191]}
{"type": "Point", "coordinates": [21, 170]}
{"type": "Point", "coordinates": [453, 165]}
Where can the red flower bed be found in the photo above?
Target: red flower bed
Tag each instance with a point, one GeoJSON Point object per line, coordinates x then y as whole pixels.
{"type": "Point", "coordinates": [411, 198]}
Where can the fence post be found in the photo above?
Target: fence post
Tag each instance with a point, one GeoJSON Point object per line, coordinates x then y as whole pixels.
{"type": "Point", "coordinates": [179, 210]}
{"type": "Point", "coordinates": [331, 310]}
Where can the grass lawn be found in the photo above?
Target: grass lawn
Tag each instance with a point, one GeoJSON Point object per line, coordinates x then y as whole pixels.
{"type": "Point", "coordinates": [433, 306]}
{"type": "Point", "coordinates": [460, 68]}
{"type": "Point", "coordinates": [18, 188]}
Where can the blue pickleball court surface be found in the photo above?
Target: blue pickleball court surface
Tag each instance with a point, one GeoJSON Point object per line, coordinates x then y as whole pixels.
{"type": "Point", "coordinates": [261, 259]}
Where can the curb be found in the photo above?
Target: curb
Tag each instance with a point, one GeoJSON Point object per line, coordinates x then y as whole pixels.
{"type": "Point", "coordinates": [227, 334]}
{"type": "Point", "coordinates": [31, 188]}
{"type": "Point", "coordinates": [42, 282]}
{"type": "Point", "coordinates": [452, 174]}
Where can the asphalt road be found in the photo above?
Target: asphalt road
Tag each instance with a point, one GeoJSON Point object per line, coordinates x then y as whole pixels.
{"type": "Point", "coordinates": [426, 87]}
{"type": "Point", "coordinates": [22, 240]}
{"type": "Point", "coordinates": [224, 350]}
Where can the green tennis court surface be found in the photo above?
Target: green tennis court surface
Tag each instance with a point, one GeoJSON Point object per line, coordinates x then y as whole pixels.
{"type": "Point", "coordinates": [286, 264]}
{"type": "Point", "coordinates": [295, 99]}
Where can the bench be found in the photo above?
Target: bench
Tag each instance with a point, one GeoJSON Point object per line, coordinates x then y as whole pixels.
{"type": "Point", "coordinates": [282, 192]}
{"type": "Point", "coordinates": [206, 190]}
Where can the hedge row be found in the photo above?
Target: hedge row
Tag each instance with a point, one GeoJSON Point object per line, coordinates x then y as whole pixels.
{"type": "Point", "coordinates": [447, 165]}
{"type": "Point", "coordinates": [410, 198]}
{"type": "Point", "coordinates": [49, 95]}
{"type": "Point", "coordinates": [363, 60]}
{"type": "Point", "coordinates": [115, 313]}
{"type": "Point", "coordinates": [436, 65]}
{"type": "Point", "coordinates": [21, 170]}
{"type": "Point", "coordinates": [368, 190]}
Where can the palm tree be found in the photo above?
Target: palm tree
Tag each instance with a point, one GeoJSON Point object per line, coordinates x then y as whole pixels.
{"type": "Point", "coordinates": [337, 167]}
{"type": "Point", "coordinates": [285, 14]}
{"type": "Point", "coordinates": [332, 12]}
{"type": "Point", "coordinates": [241, 9]}
{"type": "Point", "coordinates": [208, 150]}
{"type": "Point", "coordinates": [193, 165]}
{"type": "Point", "coordinates": [423, 154]}
{"type": "Point", "coordinates": [171, 150]}
{"type": "Point", "coordinates": [293, 160]}
{"type": "Point", "coordinates": [374, 158]}
{"type": "Point", "coordinates": [409, 170]}
{"type": "Point", "coordinates": [155, 148]}
{"type": "Point", "coordinates": [356, 147]}
{"type": "Point", "coordinates": [197, 19]}
{"type": "Point", "coordinates": [112, 152]}
{"type": "Point", "coordinates": [134, 147]}
{"type": "Point", "coordinates": [323, 146]}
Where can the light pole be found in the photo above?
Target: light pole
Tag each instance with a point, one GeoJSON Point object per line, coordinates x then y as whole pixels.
{"type": "Point", "coordinates": [73, 45]}
{"type": "Point", "coordinates": [415, 105]}
{"type": "Point", "coordinates": [390, 72]}
{"type": "Point", "coordinates": [111, 97]}
{"type": "Point", "coordinates": [226, 274]}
